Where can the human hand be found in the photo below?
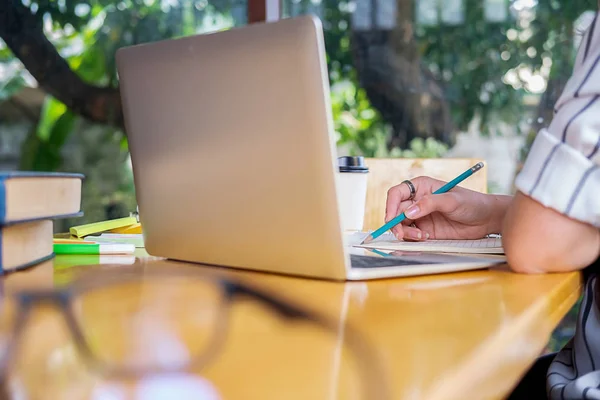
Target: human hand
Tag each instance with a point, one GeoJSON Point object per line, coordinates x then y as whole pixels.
{"type": "Point", "coordinates": [458, 214]}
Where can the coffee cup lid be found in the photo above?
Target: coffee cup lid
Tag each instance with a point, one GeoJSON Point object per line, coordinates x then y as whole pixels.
{"type": "Point", "coordinates": [352, 164]}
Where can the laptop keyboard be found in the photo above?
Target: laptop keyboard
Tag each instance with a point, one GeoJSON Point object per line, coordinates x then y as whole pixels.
{"type": "Point", "coordinates": [381, 262]}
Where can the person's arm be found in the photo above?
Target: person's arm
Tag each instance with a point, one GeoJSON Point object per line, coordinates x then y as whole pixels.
{"type": "Point", "coordinates": [553, 224]}
{"type": "Point", "coordinates": [538, 239]}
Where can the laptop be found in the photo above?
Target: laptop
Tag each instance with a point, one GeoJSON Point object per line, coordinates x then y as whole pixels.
{"type": "Point", "coordinates": [234, 158]}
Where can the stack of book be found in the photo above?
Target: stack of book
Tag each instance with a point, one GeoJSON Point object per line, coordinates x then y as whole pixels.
{"type": "Point", "coordinates": [29, 202]}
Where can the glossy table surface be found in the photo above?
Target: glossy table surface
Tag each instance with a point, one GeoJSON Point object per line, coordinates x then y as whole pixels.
{"type": "Point", "coordinates": [435, 337]}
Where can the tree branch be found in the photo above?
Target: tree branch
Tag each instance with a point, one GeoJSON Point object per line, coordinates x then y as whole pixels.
{"type": "Point", "coordinates": [23, 34]}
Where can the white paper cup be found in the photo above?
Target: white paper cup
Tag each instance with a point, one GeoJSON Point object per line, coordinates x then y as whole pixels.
{"type": "Point", "coordinates": [352, 192]}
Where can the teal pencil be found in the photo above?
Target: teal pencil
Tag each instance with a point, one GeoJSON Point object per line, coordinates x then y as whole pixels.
{"type": "Point", "coordinates": [448, 186]}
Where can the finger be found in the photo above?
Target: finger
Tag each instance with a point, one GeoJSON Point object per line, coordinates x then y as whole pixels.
{"type": "Point", "coordinates": [409, 233]}
{"type": "Point", "coordinates": [400, 209]}
{"type": "Point", "coordinates": [403, 207]}
{"type": "Point", "coordinates": [400, 194]}
{"type": "Point", "coordinates": [395, 196]}
{"type": "Point", "coordinates": [413, 234]}
{"type": "Point", "coordinates": [399, 228]}
{"type": "Point", "coordinates": [444, 203]}
{"type": "Point", "coordinates": [398, 231]}
{"type": "Point", "coordinates": [406, 222]}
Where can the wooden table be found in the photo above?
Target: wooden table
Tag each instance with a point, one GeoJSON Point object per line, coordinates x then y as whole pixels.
{"type": "Point", "coordinates": [454, 336]}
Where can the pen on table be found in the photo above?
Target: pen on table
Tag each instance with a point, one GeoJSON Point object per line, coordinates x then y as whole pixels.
{"type": "Point", "coordinates": [448, 186]}
{"type": "Point", "coordinates": [71, 249]}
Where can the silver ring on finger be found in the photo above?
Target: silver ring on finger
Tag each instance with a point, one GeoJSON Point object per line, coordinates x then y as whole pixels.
{"type": "Point", "coordinates": [412, 189]}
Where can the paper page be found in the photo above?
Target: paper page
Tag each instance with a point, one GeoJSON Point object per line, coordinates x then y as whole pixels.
{"type": "Point", "coordinates": [481, 246]}
{"type": "Point", "coordinates": [127, 238]}
{"type": "Point", "coordinates": [354, 238]}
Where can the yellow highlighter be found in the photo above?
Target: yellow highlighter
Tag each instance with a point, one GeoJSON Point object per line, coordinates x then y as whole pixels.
{"type": "Point", "coordinates": [102, 226]}
{"type": "Point", "coordinates": [71, 241]}
{"type": "Point", "coordinates": [131, 229]}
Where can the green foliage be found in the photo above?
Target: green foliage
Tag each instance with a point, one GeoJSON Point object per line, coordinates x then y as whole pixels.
{"type": "Point", "coordinates": [472, 72]}
{"type": "Point", "coordinates": [11, 86]}
{"type": "Point", "coordinates": [475, 74]}
{"type": "Point", "coordinates": [356, 123]}
{"type": "Point", "coordinates": [5, 54]}
{"type": "Point", "coordinates": [52, 111]}
{"type": "Point", "coordinates": [359, 127]}
{"type": "Point", "coordinates": [41, 150]}
{"type": "Point", "coordinates": [361, 131]}
{"type": "Point", "coordinates": [336, 26]}
{"type": "Point", "coordinates": [424, 148]}
{"type": "Point", "coordinates": [87, 34]}
{"type": "Point", "coordinates": [552, 35]}
{"type": "Point", "coordinates": [482, 66]}
{"type": "Point", "coordinates": [12, 83]}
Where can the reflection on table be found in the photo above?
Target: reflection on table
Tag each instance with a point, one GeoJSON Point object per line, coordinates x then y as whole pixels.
{"type": "Point", "coordinates": [434, 337]}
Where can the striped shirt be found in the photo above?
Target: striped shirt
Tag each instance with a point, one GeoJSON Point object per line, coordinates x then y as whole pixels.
{"type": "Point", "coordinates": [562, 172]}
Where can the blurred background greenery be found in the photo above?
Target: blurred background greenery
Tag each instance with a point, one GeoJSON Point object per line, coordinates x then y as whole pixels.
{"type": "Point", "coordinates": [409, 78]}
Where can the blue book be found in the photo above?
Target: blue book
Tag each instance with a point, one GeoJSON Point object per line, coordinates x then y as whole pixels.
{"type": "Point", "coordinates": [29, 201]}
{"type": "Point", "coordinates": [31, 196]}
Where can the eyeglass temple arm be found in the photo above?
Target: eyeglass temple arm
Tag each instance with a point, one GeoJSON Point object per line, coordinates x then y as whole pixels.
{"type": "Point", "coordinates": [377, 383]}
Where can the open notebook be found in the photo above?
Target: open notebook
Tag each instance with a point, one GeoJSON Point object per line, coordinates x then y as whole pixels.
{"type": "Point", "coordinates": [389, 242]}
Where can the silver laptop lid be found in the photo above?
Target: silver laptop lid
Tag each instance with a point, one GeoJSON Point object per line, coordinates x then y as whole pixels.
{"type": "Point", "coordinates": [232, 145]}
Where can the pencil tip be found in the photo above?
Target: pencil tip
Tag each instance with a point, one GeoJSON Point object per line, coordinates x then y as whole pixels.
{"type": "Point", "coordinates": [367, 240]}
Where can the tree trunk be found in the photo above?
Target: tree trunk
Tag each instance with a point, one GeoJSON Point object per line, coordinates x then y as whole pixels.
{"type": "Point", "coordinates": [399, 87]}
{"type": "Point", "coordinates": [23, 34]}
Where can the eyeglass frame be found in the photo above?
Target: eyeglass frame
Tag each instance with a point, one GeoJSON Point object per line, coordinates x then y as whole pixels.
{"type": "Point", "coordinates": [375, 385]}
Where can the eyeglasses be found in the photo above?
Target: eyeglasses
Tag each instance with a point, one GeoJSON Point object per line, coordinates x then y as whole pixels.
{"type": "Point", "coordinates": [164, 321]}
